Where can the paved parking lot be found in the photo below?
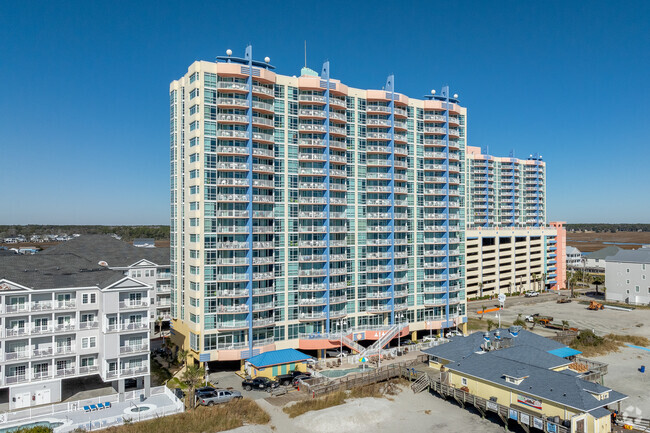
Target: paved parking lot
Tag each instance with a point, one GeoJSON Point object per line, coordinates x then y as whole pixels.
{"type": "Point", "coordinates": [229, 379]}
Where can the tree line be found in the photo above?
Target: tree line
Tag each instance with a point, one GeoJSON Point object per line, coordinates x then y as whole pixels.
{"type": "Point", "coordinates": [126, 232]}
{"type": "Point", "coordinates": [600, 227]}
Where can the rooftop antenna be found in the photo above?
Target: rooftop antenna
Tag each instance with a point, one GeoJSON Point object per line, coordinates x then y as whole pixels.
{"type": "Point", "coordinates": [305, 53]}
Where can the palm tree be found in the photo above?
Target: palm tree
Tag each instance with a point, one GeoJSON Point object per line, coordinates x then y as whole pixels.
{"type": "Point", "coordinates": [565, 325]}
{"type": "Point", "coordinates": [192, 376]}
{"type": "Point", "coordinates": [490, 324]}
{"type": "Point", "coordinates": [182, 356]}
{"type": "Point", "coordinates": [597, 280]}
{"type": "Point", "coordinates": [535, 322]}
{"type": "Point", "coordinates": [519, 321]}
{"type": "Point", "coordinates": [480, 290]}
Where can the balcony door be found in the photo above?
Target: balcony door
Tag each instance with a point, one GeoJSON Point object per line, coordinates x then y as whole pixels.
{"type": "Point", "coordinates": [224, 341]}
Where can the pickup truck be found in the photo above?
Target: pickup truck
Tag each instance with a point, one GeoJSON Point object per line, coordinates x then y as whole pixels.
{"type": "Point", "coordinates": [209, 398]}
{"type": "Point", "coordinates": [287, 379]}
{"type": "Point", "coordinates": [259, 383]}
{"type": "Point", "coordinates": [542, 320]}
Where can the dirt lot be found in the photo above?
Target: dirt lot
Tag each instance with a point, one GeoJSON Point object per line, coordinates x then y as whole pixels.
{"type": "Point", "coordinates": [602, 322]}
{"type": "Point", "coordinates": [415, 413]}
{"type": "Point", "coordinates": [588, 242]}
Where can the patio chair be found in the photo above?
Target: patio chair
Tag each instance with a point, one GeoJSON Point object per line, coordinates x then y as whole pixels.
{"type": "Point", "coordinates": [100, 406]}
{"type": "Point", "coordinates": [107, 405]}
{"type": "Point", "coordinates": [93, 407]}
{"type": "Point", "coordinates": [87, 408]}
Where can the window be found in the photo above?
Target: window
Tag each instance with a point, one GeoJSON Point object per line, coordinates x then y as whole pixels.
{"type": "Point", "coordinates": [194, 109]}
{"type": "Point", "coordinates": [463, 381]}
{"type": "Point", "coordinates": [194, 205]}
{"type": "Point", "coordinates": [194, 174]}
{"type": "Point", "coordinates": [210, 342]}
{"type": "Point", "coordinates": [194, 77]}
{"type": "Point", "coordinates": [636, 289]}
{"type": "Point", "coordinates": [194, 93]}
{"type": "Point", "coordinates": [194, 341]}
{"type": "Point", "coordinates": [88, 298]}
{"type": "Point", "coordinates": [88, 342]}
{"type": "Point", "coordinates": [194, 157]}
{"type": "Point", "coordinates": [194, 125]}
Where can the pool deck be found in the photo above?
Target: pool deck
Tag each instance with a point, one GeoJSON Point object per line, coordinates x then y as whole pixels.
{"type": "Point", "coordinates": [159, 404]}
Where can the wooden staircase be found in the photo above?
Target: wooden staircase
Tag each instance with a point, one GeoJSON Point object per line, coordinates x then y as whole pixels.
{"type": "Point", "coordinates": [421, 383]}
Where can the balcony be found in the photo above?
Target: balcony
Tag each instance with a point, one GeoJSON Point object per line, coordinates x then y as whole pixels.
{"type": "Point", "coordinates": [129, 304]}
{"type": "Point", "coordinates": [257, 323]}
{"type": "Point", "coordinates": [64, 349]}
{"type": "Point", "coordinates": [65, 372]}
{"type": "Point", "coordinates": [16, 308]}
{"type": "Point", "coordinates": [133, 371]}
{"type": "Point", "coordinates": [89, 369]}
{"type": "Point", "coordinates": [134, 348]}
{"type": "Point", "coordinates": [134, 326]}
{"type": "Point", "coordinates": [18, 378]}
{"type": "Point", "coordinates": [312, 98]}
{"type": "Point", "coordinates": [312, 316]}
{"type": "Point", "coordinates": [234, 324]}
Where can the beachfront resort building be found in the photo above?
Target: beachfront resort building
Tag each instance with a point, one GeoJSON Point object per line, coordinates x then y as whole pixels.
{"type": "Point", "coordinates": [301, 206]}
{"type": "Point", "coordinates": [510, 246]}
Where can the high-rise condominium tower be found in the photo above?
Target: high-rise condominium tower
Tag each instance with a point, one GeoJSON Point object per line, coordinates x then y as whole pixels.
{"type": "Point", "coordinates": [301, 207]}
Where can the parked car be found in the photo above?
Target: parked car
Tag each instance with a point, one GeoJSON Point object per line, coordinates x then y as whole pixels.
{"type": "Point", "coordinates": [299, 378]}
{"type": "Point", "coordinates": [337, 353]}
{"type": "Point", "coordinates": [287, 379]}
{"type": "Point", "coordinates": [259, 383]}
{"type": "Point", "coordinates": [210, 398]}
{"type": "Point", "coordinates": [205, 389]}
{"type": "Point", "coordinates": [531, 294]}
{"type": "Point", "coordinates": [179, 393]}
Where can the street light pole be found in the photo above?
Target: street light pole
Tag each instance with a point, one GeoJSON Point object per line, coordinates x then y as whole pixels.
{"type": "Point", "coordinates": [399, 332]}
{"type": "Point", "coordinates": [341, 330]}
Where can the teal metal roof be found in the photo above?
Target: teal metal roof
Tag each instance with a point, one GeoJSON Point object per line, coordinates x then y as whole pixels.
{"type": "Point", "coordinates": [277, 357]}
{"type": "Point", "coordinates": [564, 352]}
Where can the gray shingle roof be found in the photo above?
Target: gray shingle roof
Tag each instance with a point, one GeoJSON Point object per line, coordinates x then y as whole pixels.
{"type": "Point", "coordinates": [531, 356]}
{"type": "Point", "coordinates": [55, 271]}
{"type": "Point", "coordinates": [540, 382]}
{"type": "Point", "coordinates": [116, 253]}
{"type": "Point", "coordinates": [460, 347]}
{"type": "Point", "coordinates": [604, 253]}
{"type": "Point", "coordinates": [642, 255]}
{"type": "Point", "coordinates": [75, 263]}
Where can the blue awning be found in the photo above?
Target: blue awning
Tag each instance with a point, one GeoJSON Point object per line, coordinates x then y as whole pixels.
{"type": "Point", "coordinates": [564, 352]}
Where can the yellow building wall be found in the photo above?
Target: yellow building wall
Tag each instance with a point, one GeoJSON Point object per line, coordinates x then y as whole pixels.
{"type": "Point", "coordinates": [598, 425]}
{"type": "Point", "coordinates": [276, 370]}
{"type": "Point", "coordinates": [507, 397]}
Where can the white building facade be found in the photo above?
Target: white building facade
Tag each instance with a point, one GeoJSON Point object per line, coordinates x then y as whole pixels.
{"type": "Point", "coordinates": [50, 335]}
{"type": "Point", "coordinates": [627, 277]}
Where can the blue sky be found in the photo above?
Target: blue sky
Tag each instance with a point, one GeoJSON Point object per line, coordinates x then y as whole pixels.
{"type": "Point", "coordinates": [84, 114]}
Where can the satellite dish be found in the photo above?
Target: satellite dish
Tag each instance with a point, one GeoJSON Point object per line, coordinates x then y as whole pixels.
{"type": "Point", "coordinates": [501, 298]}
